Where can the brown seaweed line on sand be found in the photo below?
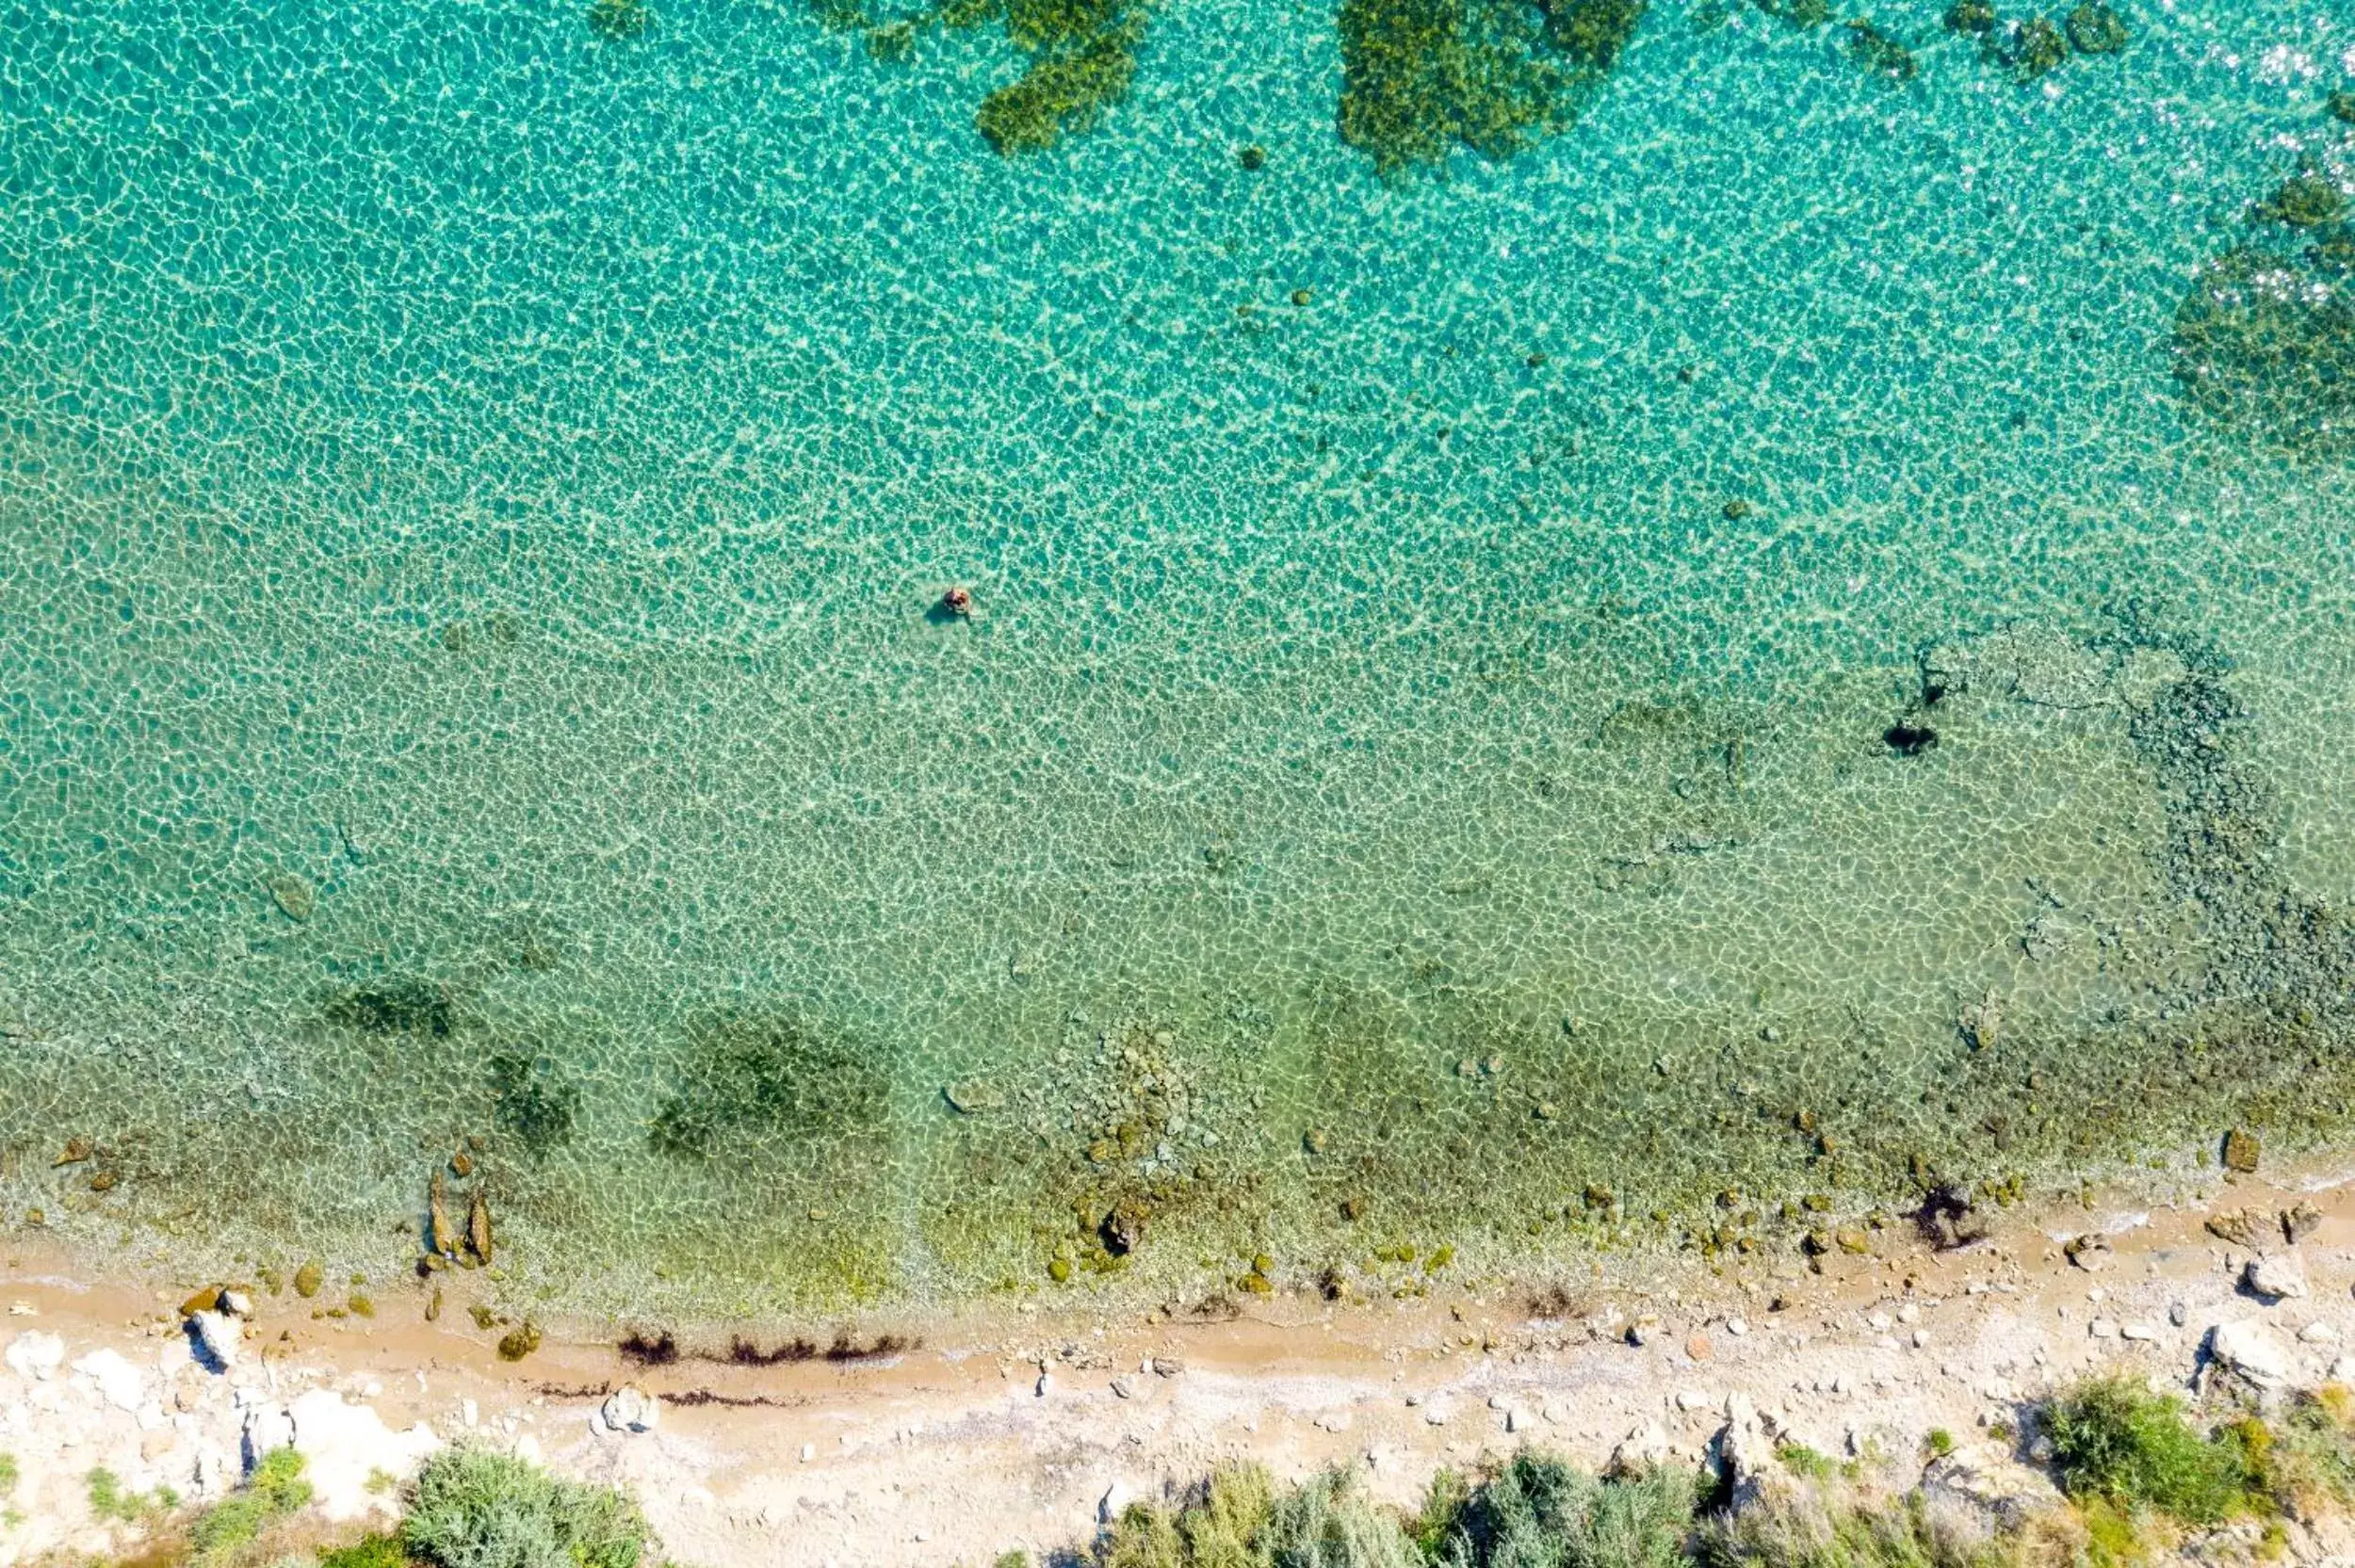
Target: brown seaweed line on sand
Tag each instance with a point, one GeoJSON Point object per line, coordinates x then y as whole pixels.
{"type": "Point", "coordinates": [663, 1350]}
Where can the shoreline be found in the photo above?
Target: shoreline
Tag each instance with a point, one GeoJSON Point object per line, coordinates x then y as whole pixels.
{"type": "Point", "coordinates": [1007, 1431]}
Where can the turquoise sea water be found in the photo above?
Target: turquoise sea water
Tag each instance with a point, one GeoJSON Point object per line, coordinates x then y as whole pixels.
{"type": "Point", "coordinates": [476, 492]}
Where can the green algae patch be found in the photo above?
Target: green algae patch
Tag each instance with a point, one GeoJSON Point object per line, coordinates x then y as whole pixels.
{"type": "Point", "coordinates": [617, 20]}
{"type": "Point", "coordinates": [1083, 57]}
{"type": "Point", "coordinates": [2265, 345]}
{"type": "Point", "coordinates": [2304, 200]}
{"type": "Point", "coordinates": [1591, 33]}
{"type": "Point", "coordinates": [1420, 76]}
{"type": "Point", "coordinates": [2094, 28]}
{"type": "Point", "coordinates": [1080, 58]}
{"type": "Point", "coordinates": [1878, 53]}
{"type": "Point", "coordinates": [756, 1079]}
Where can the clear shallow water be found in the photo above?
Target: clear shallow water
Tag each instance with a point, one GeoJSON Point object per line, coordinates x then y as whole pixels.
{"type": "Point", "coordinates": [474, 493]}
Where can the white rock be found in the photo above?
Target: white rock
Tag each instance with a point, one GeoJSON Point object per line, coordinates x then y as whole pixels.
{"type": "Point", "coordinates": [1644, 1447]}
{"type": "Point", "coordinates": [220, 1336]}
{"type": "Point", "coordinates": [2252, 1350]}
{"type": "Point", "coordinates": [630, 1408]}
{"type": "Point", "coordinates": [1515, 1420]}
{"type": "Point", "coordinates": [36, 1356]}
{"type": "Point", "coordinates": [118, 1380]}
{"type": "Point", "coordinates": [1125, 1387]}
{"type": "Point", "coordinates": [266, 1429]}
{"type": "Point", "coordinates": [1436, 1411]}
{"type": "Point", "coordinates": [1747, 1454]}
{"type": "Point", "coordinates": [236, 1304]}
{"type": "Point", "coordinates": [343, 1445]}
{"type": "Point", "coordinates": [1114, 1503]}
{"type": "Point", "coordinates": [2277, 1276]}
{"type": "Point", "coordinates": [2141, 1332]}
{"type": "Point", "coordinates": [1920, 1339]}
{"type": "Point", "coordinates": [2102, 1328]}
{"type": "Point", "coordinates": [1984, 1478]}
{"type": "Point", "coordinates": [1692, 1398]}
{"type": "Point", "coordinates": [1908, 1314]}
{"type": "Point", "coordinates": [2318, 1332]}
{"type": "Point", "coordinates": [809, 1452]}
{"type": "Point", "coordinates": [1881, 1321]}
{"type": "Point", "coordinates": [1737, 1326]}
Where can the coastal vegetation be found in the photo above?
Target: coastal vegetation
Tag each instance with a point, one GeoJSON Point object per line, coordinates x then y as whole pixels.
{"type": "Point", "coordinates": [2142, 1479]}
{"type": "Point", "coordinates": [466, 1508]}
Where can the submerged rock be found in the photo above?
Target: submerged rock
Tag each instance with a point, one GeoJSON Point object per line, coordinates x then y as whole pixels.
{"type": "Point", "coordinates": [292, 895]}
{"type": "Point", "coordinates": [309, 1278]}
{"type": "Point", "coordinates": [1123, 1227]}
{"type": "Point", "coordinates": [2241, 1151]}
{"type": "Point", "coordinates": [972, 1098]}
{"type": "Point", "coordinates": [442, 1237]}
{"type": "Point", "coordinates": [479, 1226]}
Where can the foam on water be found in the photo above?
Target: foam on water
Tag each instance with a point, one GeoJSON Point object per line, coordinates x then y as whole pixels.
{"type": "Point", "coordinates": [1418, 772]}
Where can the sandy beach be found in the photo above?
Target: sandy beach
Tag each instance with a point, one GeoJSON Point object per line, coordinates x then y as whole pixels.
{"type": "Point", "coordinates": [980, 1432]}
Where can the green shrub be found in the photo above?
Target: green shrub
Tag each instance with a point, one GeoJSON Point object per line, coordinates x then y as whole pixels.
{"type": "Point", "coordinates": [475, 1509]}
{"type": "Point", "coordinates": [374, 1551]}
{"type": "Point", "coordinates": [1326, 1524]}
{"type": "Point", "coordinates": [2305, 1460]}
{"type": "Point", "coordinates": [228, 1527]}
{"type": "Point", "coordinates": [108, 1501]}
{"type": "Point", "coordinates": [2113, 1441]}
{"type": "Point", "coordinates": [1812, 1530]}
{"type": "Point", "coordinates": [1241, 1522]}
{"type": "Point", "coordinates": [275, 1490]}
{"type": "Point", "coordinates": [1538, 1512]}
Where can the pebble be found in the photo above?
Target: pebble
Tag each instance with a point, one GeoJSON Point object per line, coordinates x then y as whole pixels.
{"type": "Point", "coordinates": [1125, 1387]}
{"type": "Point", "coordinates": [1692, 1398]}
{"type": "Point", "coordinates": [809, 1452]}
{"type": "Point", "coordinates": [2141, 1332]}
{"type": "Point", "coordinates": [2102, 1328]}
{"type": "Point", "coordinates": [1434, 1414]}
{"type": "Point", "coordinates": [1737, 1326]}
{"type": "Point", "coordinates": [2318, 1332]}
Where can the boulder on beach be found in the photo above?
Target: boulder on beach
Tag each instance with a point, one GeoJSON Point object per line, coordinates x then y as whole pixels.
{"type": "Point", "coordinates": [2251, 1350]}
